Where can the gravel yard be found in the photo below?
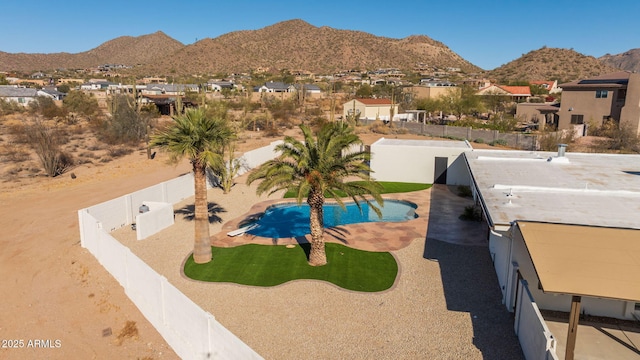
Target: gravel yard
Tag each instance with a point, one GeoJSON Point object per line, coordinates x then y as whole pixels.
{"type": "Point", "coordinates": [445, 304]}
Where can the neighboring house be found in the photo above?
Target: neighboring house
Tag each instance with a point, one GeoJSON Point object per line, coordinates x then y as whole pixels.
{"type": "Point", "coordinates": [308, 88]}
{"type": "Point", "coordinates": [370, 108]}
{"type": "Point", "coordinates": [594, 101]}
{"type": "Point", "coordinates": [541, 114]}
{"type": "Point", "coordinates": [97, 85]}
{"type": "Point", "coordinates": [516, 93]}
{"type": "Point", "coordinates": [22, 96]}
{"type": "Point", "coordinates": [550, 86]}
{"type": "Point", "coordinates": [273, 87]}
{"type": "Point", "coordinates": [431, 89]}
{"type": "Point", "coordinates": [54, 93]}
{"type": "Point", "coordinates": [217, 86]}
{"type": "Point", "coordinates": [169, 89]}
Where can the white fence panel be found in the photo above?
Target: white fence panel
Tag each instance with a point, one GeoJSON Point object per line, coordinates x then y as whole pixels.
{"type": "Point", "coordinates": [113, 256]}
{"type": "Point", "coordinates": [144, 288]}
{"type": "Point", "coordinates": [188, 320]}
{"type": "Point", "coordinates": [536, 341]}
{"type": "Point", "coordinates": [225, 345]}
{"type": "Point", "coordinates": [152, 193]}
{"type": "Point", "coordinates": [159, 217]}
{"type": "Point", "coordinates": [112, 214]}
{"type": "Point", "coordinates": [254, 158]}
{"type": "Point", "coordinates": [89, 227]}
{"type": "Point", "coordinates": [179, 189]}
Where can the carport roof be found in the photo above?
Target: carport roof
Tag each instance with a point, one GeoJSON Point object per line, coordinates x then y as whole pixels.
{"type": "Point", "coordinates": [584, 260]}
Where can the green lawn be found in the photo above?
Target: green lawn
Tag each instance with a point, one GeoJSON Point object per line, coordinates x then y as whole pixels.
{"type": "Point", "coordinates": [388, 188]}
{"type": "Point", "coordinates": [270, 265]}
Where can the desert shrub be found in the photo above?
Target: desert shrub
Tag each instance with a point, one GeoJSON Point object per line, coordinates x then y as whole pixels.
{"type": "Point", "coordinates": [12, 153]}
{"type": "Point", "coordinates": [479, 141]}
{"type": "Point", "coordinates": [46, 141]}
{"type": "Point", "coordinates": [401, 131]}
{"type": "Point", "coordinates": [498, 142]}
{"type": "Point", "coordinates": [464, 191]}
{"type": "Point", "coordinates": [8, 107]}
{"type": "Point", "coordinates": [471, 213]}
{"type": "Point", "coordinates": [379, 127]}
{"type": "Point", "coordinates": [619, 138]}
{"type": "Point", "coordinates": [118, 151]}
{"type": "Point", "coordinates": [81, 103]}
{"type": "Point", "coordinates": [550, 141]}
{"type": "Point", "coordinates": [46, 107]}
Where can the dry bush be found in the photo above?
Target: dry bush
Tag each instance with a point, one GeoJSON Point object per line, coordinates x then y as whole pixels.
{"type": "Point", "coordinates": [130, 331]}
{"type": "Point", "coordinates": [379, 127]}
{"type": "Point", "coordinates": [46, 141]}
{"type": "Point", "coordinates": [12, 153]}
{"type": "Point", "coordinates": [549, 141]}
{"type": "Point", "coordinates": [118, 151]}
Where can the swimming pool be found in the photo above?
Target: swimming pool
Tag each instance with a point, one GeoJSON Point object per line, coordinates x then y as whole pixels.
{"type": "Point", "coordinates": [291, 220]}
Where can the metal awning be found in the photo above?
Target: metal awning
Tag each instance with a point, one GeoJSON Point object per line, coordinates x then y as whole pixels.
{"type": "Point", "coordinates": [585, 260]}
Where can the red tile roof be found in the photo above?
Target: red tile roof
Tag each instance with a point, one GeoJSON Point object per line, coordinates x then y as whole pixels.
{"type": "Point", "coordinates": [375, 101]}
{"type": "Point", "coordinates": [516, 90]}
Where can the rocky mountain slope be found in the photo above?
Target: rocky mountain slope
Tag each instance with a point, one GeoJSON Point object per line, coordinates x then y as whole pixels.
{"type": "Point", "coordinates": [629, 60]}
{"type": "Point", "coordinates": [550, 64]}
{"type": "Point", "coordinates": [125, 50]}
{"type": "Point", "coordinates": [292, 45]}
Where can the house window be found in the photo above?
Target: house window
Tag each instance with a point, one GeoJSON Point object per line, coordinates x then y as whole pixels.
{"type": "Point", "coordinates": [577, 119]}
{"type": "Point", "coordinates": [21, 100]}
{"type": "Point", "coordinates": [602, 94]}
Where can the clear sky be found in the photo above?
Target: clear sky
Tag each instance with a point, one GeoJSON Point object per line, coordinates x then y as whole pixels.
{"type": "Point", "coordinates": [488, 33]}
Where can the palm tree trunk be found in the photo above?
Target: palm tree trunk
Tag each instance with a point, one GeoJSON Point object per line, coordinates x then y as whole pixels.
{"type": "Point", "coordinates": [202, 243]}
{"type": "Point", "coordinates": [317, 255]}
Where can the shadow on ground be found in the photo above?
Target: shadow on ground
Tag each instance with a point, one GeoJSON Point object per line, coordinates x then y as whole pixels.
{"type": "Point", "coordinates": [468, 277]}
{"type": "Point", "coordinates": [188, 212]}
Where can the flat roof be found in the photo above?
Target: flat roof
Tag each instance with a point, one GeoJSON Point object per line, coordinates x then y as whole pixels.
{"type": "Point", "coordinates": [424, 143]}
{"type": "Point", "coordinates": [578, 189]}
{"type": "Point", "coordinates": [584, 260]}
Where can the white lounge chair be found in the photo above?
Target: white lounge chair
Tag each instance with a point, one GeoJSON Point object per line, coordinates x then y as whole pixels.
{"type": "Point", "coordinates": [242, 230]}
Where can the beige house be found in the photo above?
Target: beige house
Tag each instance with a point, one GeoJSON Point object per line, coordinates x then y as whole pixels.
{"type": "Point", "coordinates": [516, 93]}
{"type": "Point", "coordinates": [370, 108]}
{"type": "Point", "coordinates": [430, 92]}
{"type": "Point", "coordinates": [594, 101]}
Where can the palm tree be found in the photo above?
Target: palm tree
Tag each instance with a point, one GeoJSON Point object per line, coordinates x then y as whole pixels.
{"type": "Point", "coordinates": [201, 139]}
{"type": "Point", "coordinates": [317, 168]}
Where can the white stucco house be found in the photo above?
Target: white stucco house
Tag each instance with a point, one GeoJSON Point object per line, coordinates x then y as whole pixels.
{"type": "Point", "coordinates": [563, 228]}
{"type": "Point", "coordinates": [20, 95]}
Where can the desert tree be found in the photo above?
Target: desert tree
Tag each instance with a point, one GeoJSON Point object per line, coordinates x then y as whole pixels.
{"type": "Point", "coordinates": [201, 139]}
{"type": "Point", "coordinates": [320, 166]}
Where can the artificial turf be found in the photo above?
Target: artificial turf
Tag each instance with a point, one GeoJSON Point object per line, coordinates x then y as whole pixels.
{"type": "Point", "coordinates": [270, 265]}
{"type": "Point", "coordinates": [388, 188]}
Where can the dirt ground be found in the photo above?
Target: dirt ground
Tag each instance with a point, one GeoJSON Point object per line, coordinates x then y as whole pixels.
{"type": "Point", "coordinates": [58, 302]}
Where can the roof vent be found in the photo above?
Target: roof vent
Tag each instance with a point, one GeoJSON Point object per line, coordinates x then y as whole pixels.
{"type": "Point", "coordinates": [561, 149]}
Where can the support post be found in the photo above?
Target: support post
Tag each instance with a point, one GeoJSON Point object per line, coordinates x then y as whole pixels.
{"type": "Point", "coordinates": [574, 319]}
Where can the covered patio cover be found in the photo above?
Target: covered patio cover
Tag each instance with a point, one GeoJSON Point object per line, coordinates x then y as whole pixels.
{"type": "Point", "coordinates": [585, 260]}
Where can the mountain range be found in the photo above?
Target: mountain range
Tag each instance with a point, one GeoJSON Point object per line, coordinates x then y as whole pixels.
{"type": "Point", "coordinates": [298, 45]}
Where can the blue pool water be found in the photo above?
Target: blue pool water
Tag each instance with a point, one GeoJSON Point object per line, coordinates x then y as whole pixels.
{"type": "Point", "coordinates": [291, 220]}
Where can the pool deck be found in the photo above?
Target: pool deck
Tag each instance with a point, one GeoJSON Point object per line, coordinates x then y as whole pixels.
{"type": "Point", "coordinates": [370, 236]}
